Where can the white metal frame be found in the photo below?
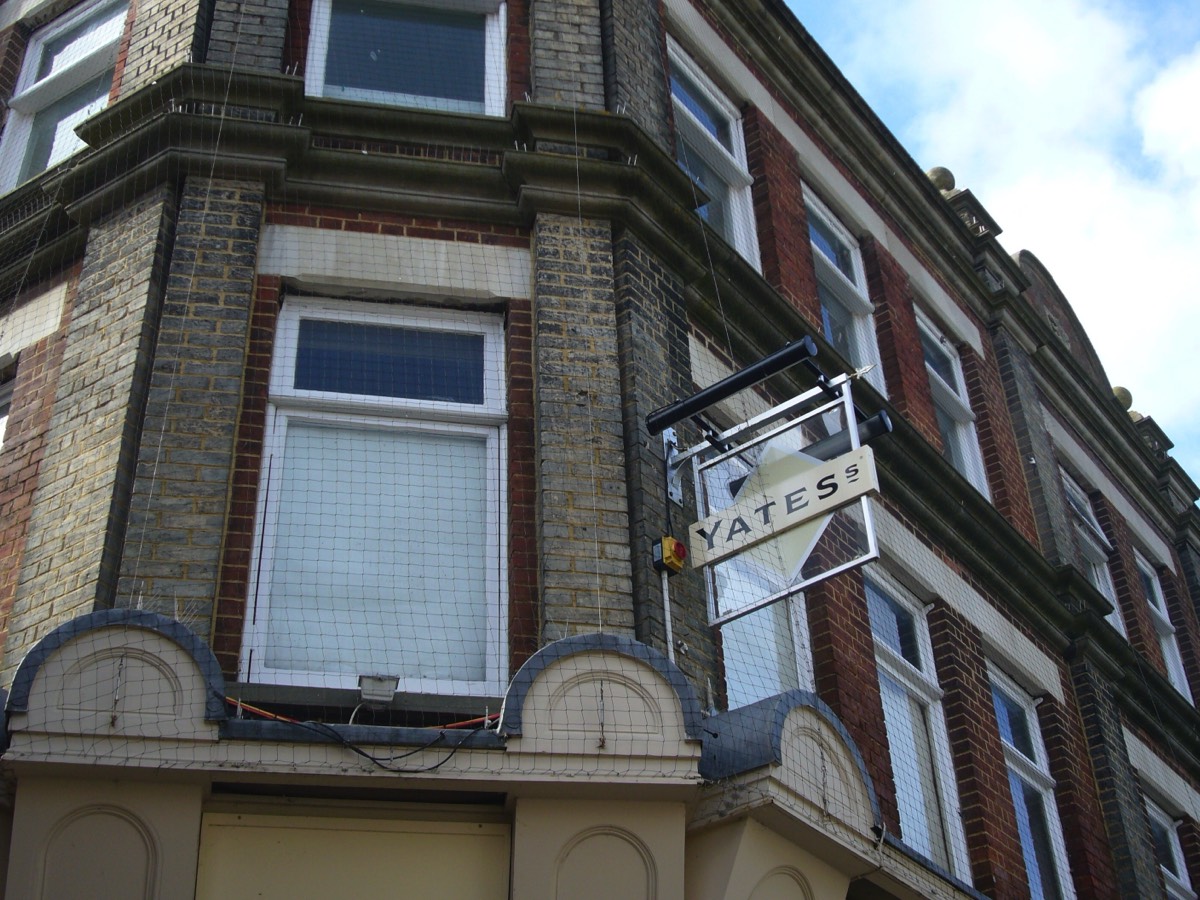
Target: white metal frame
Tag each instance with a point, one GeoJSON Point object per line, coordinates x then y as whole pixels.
{"type": "Point", "coordinates": [486, 420]}
{"type": "Point", "coordinates": [952, 400]}
{"type": "Point", "coordinates": [33, 93]}
{"type": "Point", "coordinates": [1036, 773]}
{"type": "Point", "coordinates": [814, 404]}
{"type": "Point", "coordinates": [1162, 625]}
{"type": "Point", "coordinates": [850, 293]}
{"type": "Point", "coordinates": [729, 163]}
{"type": "Point", "coordinates": [923, 685]}
{"type": "Point", "coordinates": [495, 69]}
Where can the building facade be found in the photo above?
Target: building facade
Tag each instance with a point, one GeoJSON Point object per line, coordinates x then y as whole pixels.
{"type": "Point", "coordinates": [329, 332]}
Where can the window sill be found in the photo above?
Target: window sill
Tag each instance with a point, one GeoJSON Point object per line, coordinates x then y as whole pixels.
{"type": "Point", "coordinates": [368, 735]}
{"type": "Point", "coordinates": [339, 698]}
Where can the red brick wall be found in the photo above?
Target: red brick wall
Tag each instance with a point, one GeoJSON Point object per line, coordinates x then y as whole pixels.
{"type": "Point", "coordinates": [899, 341]}
{"type": "Point", "coordinates": [846, 678]}
{"type": "Point", "coordinates": [1092, 867]}
{"type": "Point", "coordinates": [524, 627]}
{"type": "Point", "coordinates": [998, 441]}
{"type": "Point", "coordinates": [780, 216]}
{"type": "Point", "coordinates": [25, 439]}
{"type": "Point", "coordinates": [374, 222]}
{"type": "Point", "coordinates": [123, 52]}
{"type": "Point", "coordinates": [234, 578]}
{"type": "Point", "coordinates": [295, 37]}
{"type": "Point", "coordinates": [520, 66]}
{"type": "Point", "coordinates": [989, 819]}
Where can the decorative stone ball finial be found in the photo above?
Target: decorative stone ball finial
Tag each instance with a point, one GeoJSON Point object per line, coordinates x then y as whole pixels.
{"type": "Point", "coordinates": [1123, 397]}
{"type": "Point", "coordinates": [942, 178]}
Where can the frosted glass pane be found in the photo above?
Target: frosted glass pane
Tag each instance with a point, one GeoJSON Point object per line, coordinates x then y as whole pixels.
{"type": "Point", "coordinates": [52, 137]}
{"type": "Point", "coordinates": [759, 653]}
{"type": "Point", "coordinates": [104, 26]}
{"type": "Point", "coordinates": [378, 566]}
{"type": "Point", "coordinates": [906, 721]}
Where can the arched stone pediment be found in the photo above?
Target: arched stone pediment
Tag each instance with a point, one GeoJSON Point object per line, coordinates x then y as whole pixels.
{"type": "Point", "coordinates": [604, 697]}
{"type": "Point", "coordinates": [119, 672]}
{"type": "Point", "coordinates": [808, 753]}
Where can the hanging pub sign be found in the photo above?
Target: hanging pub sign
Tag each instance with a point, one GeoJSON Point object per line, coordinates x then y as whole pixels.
{"type": "Point", "coordinates": [791, 491]}
{"type": "Point", "coordinates": [782, 498]}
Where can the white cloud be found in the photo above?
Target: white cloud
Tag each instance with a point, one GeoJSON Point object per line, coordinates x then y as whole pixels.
{"type": "Point", "coordinates": [1080, 143]}
{"type": "Point", "coordinates": [1165, 111]}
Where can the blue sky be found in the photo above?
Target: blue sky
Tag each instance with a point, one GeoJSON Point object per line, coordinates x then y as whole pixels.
{"type": "Point", "coordinates": [1077, 125]}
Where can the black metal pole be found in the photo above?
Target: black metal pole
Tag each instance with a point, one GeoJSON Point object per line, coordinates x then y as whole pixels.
{"type": "Point", "coordinates": [837, 444]}
{"type": "Point", "coordinates": [781, 359]}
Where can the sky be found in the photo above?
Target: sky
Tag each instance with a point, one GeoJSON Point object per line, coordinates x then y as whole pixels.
{"type": "Point", "coordinates": [1076, 123]}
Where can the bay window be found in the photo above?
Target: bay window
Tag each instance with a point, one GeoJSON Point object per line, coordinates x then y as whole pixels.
{"type": "Point", "coordinates": [381, 500]}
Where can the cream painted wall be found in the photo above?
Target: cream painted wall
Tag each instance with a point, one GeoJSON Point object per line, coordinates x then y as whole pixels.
{"type": "Point", "coordinates": [292, 856]}
{"type": "Point", "coordinates": [598, 850]}
{"type": "Point", "coordinates": [103, 839]}
{"type": "Point", "coordinates": [747, 859]}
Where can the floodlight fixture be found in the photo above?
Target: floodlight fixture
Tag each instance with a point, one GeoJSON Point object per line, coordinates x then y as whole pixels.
{"type": "Point", "coordinates": [377, 690]}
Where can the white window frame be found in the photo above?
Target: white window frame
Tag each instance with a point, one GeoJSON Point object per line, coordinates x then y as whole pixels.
{"type": "Point", "coordinates": [1035, 772]}
{"type": "Point", "coordinates": [32, 95]}
{"type": "Point", "coordinates": [1179, 887]}
{"type": "Point", "coordinates": [921, 683]}
{"type": "Point", "coordinates": [850, 294]}
{"type": "Point", "coordinates": [1093, 547]}
{"type": "Point", "coordinates": [741, 689]}
{"type": "Point", "coordinates": [963, 450]}
{"type": "Point", "coordinates": [1161, 619]}
{"type": "Point", "coordinates": [728, 163]}
{"type": "Point", "coordinates": [487, 420]}
{"type": "Point", "coordinates": [6, 395]}
{"type": "Point", "coordinates": [495, 68]}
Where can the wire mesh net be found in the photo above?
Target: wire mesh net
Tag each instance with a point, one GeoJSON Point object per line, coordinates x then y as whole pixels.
{"type": "Point", "coordinates": [285, 361]}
